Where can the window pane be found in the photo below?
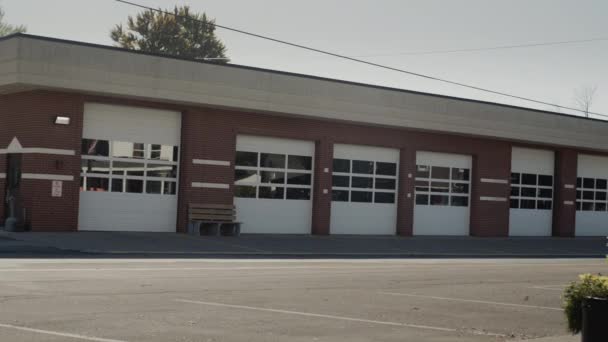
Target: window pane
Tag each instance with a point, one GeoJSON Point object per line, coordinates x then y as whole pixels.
{"type": "Point", "coordinates": [361, 196]}
{"type": "Point", "coordinates": [440, 187]}
{"type": "Point", "coordinates": [160, 170]}
{"type": "Point", "coordinates": [515, 178]}
{"type": "Point", "coordinates": [245, 176]}
{"type": "Point", "coordinates": [600, 196]}
{"type": "Point", "coordinates": [124, 149]}
{"type": "Point", "coordinates": [116, 185]}
{"type": "Point", "coordinates": [440, 172]}
{"type": "Point", "coordinates": [589, 183]}
{"type": "Point", "coordinates": [600, 184]}
{"type": "Point", "coordinates": [361, 166]}
{"type": "Point", "coordinates": [528, 192]}
{"type": "Point", "coordinates": [422, 199]}
{"type": "Point", "coordinates": [384, 197]}
{"type": "Point", "coordinates": [388, 169]}
{"type": "Point", "coordinates": [383, 183]}
{"type": "Point", "coordinates": [439, 199]}
{"type": "Point", "coordinates": [543, 204]}
{"type": "Point", "coordinates": [97, 184]}
{"type": "Point", "coordinates": [578, 205]}
{"type": "Point", "coordinates": [341, 165]}
{"type": "Point", "coordinates": [578, 194]}
{"type": "Point", "coordinates": [587, 206]}
{"type": "Point", "coordinates": [95, 166]}
{"type": "Point", "coordinates": [339, 195]}
{"type": "Point", "coordinates": [341, 181]}
{"type": "Point", "coordinates": [273, 177]}
{"type": "Point", "coordinates": [163, 152]}
{"type": "Point", "coordinates": [459, 201]}
{"type": "Point", "coordinates": [514, 191]}
{"type": "Point", "coordinates": [299, 163]}
{"type": "Point", "coordinates": [244, 191]}
{"type": "Point", "coordinates": [130, 169]}
{"type": "Point", "coordinates": [600, 206]}
{"type": "Point", "coordinates": [528, 179]}
{"type": "Point", "coordinates": [298, 194]}
{"type": "Point", "coordinates": [246, 159]}
{"type": "Point", "coordinates": [153, 187]}
{"type": "Point", "coordinates": [299, 178]}
{"type": "Point", "coordinates": [528, 204]}
{"type": "Point", "coordinates": [545, 180]}
{"type": "Point", "coordinates": [545, 193]}
{"type": "Point", "coordinates": [170, 188]}
{"type": "Point", "coordinates": [94, 147]}
{"type": "Point", "coordinates": [579, 182]}
{"type": "Point", "coordinates": [271, 192]}
{"type": "Point", "coordinates": [272, 160]}
{"type": "Point", "coordinates": [588, 195]}
{"type": "Point", "coordinates": [422, 171]}
{"type": "Point", "coordinates": [460, 174]}
{"type": "Point", "coordinates": [422, 186]}
{"type": "Point", "coordinates": [135, 186]}
{"type": "Point", "coordinates": [362, 182]}
{"type": "Point", "coordinates": [459, 188]}
{"type": "Point", "coordinates": [515, 204]}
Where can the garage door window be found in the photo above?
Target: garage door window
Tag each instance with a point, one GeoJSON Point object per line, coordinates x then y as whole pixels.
{"type": "Point", "coordinates": [364, 181]}
{"type": "Point", "coordinates": [272, 176]}
{"type": "Point", "coordinates": [531, 191]}
{"type": "Point", "coordinates": [591, 194]}
{"type": "Point", "coordinates": [443, 186]}
{"type": "Point", "coordinates": [128, 167]}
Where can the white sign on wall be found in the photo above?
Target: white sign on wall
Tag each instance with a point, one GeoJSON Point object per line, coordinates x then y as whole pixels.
{"type": "Point", "coordinates": [57, 188]}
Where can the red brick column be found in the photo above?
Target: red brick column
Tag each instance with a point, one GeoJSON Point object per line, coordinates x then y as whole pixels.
{"type": "Point", "coordinates": [2, 186]}
{"type": "Point", "coordinates": [321, 200]}
{"type": "Point", "coordinates": [405, 193]}
{"type": "Point", "coordinates": [564, 200]}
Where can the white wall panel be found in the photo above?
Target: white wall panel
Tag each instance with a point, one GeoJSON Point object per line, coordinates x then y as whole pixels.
{"type": "Point", "coordinates": [526, 160]}
{"type": "Point", "coordinates": [592, 223]}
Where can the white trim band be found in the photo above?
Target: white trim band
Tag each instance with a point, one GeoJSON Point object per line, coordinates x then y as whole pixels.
{"type": "Point", "coordinates": [40, 150]}
{"type": "Point", "coordinates": [46, 176]}
{"type": "Point", "coordinates": [568, 186]}
{"type": "Point", "coordinates": [492, 199]}
{"type": "Point", "coordinates": [2, 175]}
{"type": "Point", "coordinates": [210, 185]}
{"type": "Point", "coordinates": [568, 203]}
{"type": "Point", "coordinates": [492, 180]}
{"type": "Point", "coordinates": [211, 162]}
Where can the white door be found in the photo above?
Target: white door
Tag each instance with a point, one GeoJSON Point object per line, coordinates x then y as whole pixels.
{"type": "Point", "coordinates": [364, 190]}
{"type": "Point", "coordinates": [442, 194]}
{"type": "Point", "coordinates": [129, 169]}
{"type": "Point", "coordinates": [273, 185]}
{"type": "Point", "coordinates": [531, 201]}
{"type": "Point", "coordinates": [591, 188]}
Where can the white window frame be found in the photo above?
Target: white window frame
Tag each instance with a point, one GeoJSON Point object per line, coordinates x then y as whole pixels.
{"type": "Point", "coordinates": [449, 193]}
{"type": "Point", "coordinates": [536, 188]}
{"type": "Point", "coordinates": [581, 189]}
{"type": "Point", "coordinates": [373, 176]}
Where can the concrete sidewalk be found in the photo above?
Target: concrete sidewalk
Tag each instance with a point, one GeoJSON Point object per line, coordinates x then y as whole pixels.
{"type": "Point", "coordinates": [169, 244]}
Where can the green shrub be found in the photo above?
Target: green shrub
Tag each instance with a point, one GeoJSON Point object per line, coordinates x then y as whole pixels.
{"type": "Point", "coordinates": [589, 285]}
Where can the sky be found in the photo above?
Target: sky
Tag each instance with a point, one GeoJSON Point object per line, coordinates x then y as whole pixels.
{"type": "Point", "coordinates": [384, 32]}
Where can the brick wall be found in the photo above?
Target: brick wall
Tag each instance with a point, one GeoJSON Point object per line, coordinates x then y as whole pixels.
{"type": "Point", "coordinates": [564, 213]}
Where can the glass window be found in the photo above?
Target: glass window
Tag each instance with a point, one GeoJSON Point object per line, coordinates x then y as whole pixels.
{"type": "Point", "coordinates": [385, 183]}
{"type": "Point", "coordinates": [600, 184]}
{"type": "Point", "coordinates": [514, 191]}
{"type": "Point", "coordinates": [299, 162]}
{"type": "Point", "coordinates": [459, 201]}
{"type": "Point", "coordinates": [388, 169]}
{"type": "Point", "coordinates": [600, 196]}
{"type": "Point", "coordinates": [589, 183]}
{"type": "Point", "coordinates": [515, 178]}
{"type": "Point", "coordinates": [244, 191]}
{"type": "Point", "coordinates": [545, 180]}
{"type": "Point", "coordinates": [274, 177]}
{"type": "Point", "coordinates": [545, 193]}
{"type": "Point", "coordinates": [543, 205]}
{"type": "Point", "coordinates": [125, 149]}
{"type": "Point", "coordinates": [440, 187]}
{"type": "Point", "coordinates": [153, 187]}
{"type": "Point", "coordinates": [95, 166]}
{"type": "Point", "coordinates": [528, 179]}
{"type": "Point", "coordinates": [579, 182]}
{"type": "Point", "coordinates": [514, 203]}
{"type": "Point", "coordinates": [460, 174]}
{"type": "Point", "coordinates": [298, 194]}
{"type": "Point", "coordinates": [439, 200]}
{"type": "Point", "coordinates": [578, 194]}
{"type": "Point", "coordinates": [587, 206]}
{"type": "Point", "coordinates": [384, 197]}
{"type": "Point", "coordinates": [528, 192]}
{"type": "Point", "coordinates": [170, 188]}
{"type": "Point", "coordinates": [272, 160]}
{"type": "Point", "coordinates": [440, 172]}
{"type": "Point", "coordinates": [245, 176]}
{"type": "Point", "coordinates": [94, 147]}
{"type": "Point", "coordinates": [361, 196]}
{"type": "Point", "coordinates": [339, 195]}
{"type": "Point", "coordinates": [134, 186]}
{"type": "Point", "coordinates": [97, 184]}
{"type": "Point", "coordinates": [271, 192]}
{"type": "Point", "coordinates": [163, 152]}
{"type": "Point", "coordinates": [422, 171]}
{"type": "Point", "coordinates": [460, 188]}
{"type": "Point", "coordinates": [588, 195]}
{"type": "Point", "coordinates": [578, 205]}
{"type": "Point", "coordinates": [361, 166]}
{"type": "Point", "coordinates": [341, 181]}
{"type": "Point", "coordinates": [341, 165]}
{"type": "Point", "coordinates": [298, 178]}
{"type": "Point", "coordinates": [246, 159]}
{"type": "Point", "coordinates": [161, 170]}
{"type": "Point", "coordinates": [528, 204]}
{"type": "Point", "coordinates": [422, 199]}
{"type": "Point", "coordinates": [128, 168]}
{"type": "Point", "coordinates": [362, 182]}
{"type": "Point", "coordinates": [600, 206]}
{"type": "Point", "coordinates": [422, 186]}
{"type": "Point", "coordinates": [117, 185]}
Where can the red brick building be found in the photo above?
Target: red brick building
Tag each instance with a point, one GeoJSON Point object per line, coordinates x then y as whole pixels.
{"type": "Point", "coordinates": [109, 139]}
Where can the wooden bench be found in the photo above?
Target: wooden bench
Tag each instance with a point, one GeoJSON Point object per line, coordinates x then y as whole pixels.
{"type": "Point", "coordinates": [213, 219]}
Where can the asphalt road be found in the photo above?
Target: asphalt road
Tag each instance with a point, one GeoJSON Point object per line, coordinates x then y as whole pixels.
{"type": "Point", "coordinates": [285, 300]}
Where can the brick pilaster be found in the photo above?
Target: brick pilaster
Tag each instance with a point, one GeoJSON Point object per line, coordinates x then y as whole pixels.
{"type": "Point", "coordinates": [405, 203]}
{"type": "Point", "coordinates": [564, 200]}
{"type": "Point", "coordinates": [321, 205]}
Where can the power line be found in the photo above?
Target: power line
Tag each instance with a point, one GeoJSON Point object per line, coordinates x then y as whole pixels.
{"type": "Point", "coordinates": [436, 52]}
{"type": "Point", "coordinates": [370, 63]}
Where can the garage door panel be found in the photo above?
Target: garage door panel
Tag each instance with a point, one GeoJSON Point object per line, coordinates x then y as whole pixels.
{"type": "Point", "coordinates": [592, 196]}
{"type": "Point", "coordinates": [363, 218]}
{"type": "Point", "coordinates": [430, 220]}
{"type": "Point", "coordinates": [269, 216]}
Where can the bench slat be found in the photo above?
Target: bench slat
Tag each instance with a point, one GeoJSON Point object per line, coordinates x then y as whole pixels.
{"type": "Point", "coordinates": [211, 206]}
{"type": "Point", "coordinates": [213, 217]}
{"type": "Point", "coordinates": [212, 211]}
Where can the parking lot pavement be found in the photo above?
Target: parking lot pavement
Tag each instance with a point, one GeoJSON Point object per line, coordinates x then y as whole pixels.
{"type": "Point", "coordinates": [111, 300]}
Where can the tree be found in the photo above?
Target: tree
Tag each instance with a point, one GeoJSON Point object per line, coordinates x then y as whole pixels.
{"type": "Point", "coordinates": [177, 33]}
{"type": "Point", "coordinates": [584, 98]}
{"type": "Point", "coordinates": [6, 29]}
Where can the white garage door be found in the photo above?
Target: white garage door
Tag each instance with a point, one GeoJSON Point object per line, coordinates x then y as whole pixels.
{"type": "Point", "coordinates": [591, 188]}
{"type": "Point", "coordinates": [364, 190]}
{"type": "Point", "coordinates": [273, 185]}
{"type": "Point", "coordinates": [443, 185]}
{"type": "Point", "coordinates": [129, 169]}
{"type": "Point", "coordinates": [531, 211]}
